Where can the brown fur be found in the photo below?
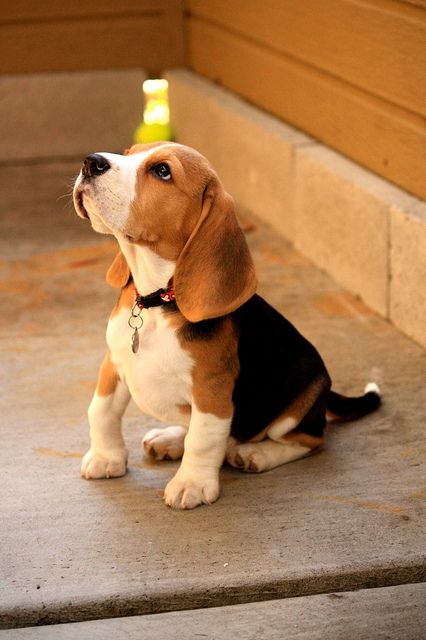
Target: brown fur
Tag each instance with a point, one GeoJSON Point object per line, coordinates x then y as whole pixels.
{"type": "Point", "coordinates": [125, 300]}
{"type": "Point", "coordinates": [215, 272]}
{"type": "Point", "coordinates": [119, 273]}
{"type": "Point", "coordinates": [304, 439]}
{"type": "Point", "coordinates": [215, 369]}
{"type": "Point", "coordinates": [301, 405]}
{"type": "Point", "coordinates": [107, 378]}
{"type": "Point", "coordinates": [185, 409]}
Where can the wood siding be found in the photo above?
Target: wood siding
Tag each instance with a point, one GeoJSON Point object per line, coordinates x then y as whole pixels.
{"type": "Point", "coordinates": [352, 73]}
{"type": "Point", "coordinates": [63, 35]}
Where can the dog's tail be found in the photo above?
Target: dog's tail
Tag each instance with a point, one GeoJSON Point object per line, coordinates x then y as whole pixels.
{"type": "Point", "coordinates": [343, 408]}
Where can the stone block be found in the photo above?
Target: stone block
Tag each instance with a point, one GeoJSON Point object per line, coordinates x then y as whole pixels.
{"type": "Point", "coordinates": [341, 222]}
{"type": "Point", "coordinates": [68, 114]}
{"type": "Point", "coordinates": [408, 268]}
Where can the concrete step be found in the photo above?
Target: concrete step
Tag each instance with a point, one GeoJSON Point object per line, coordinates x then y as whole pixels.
{"type": "Point", "coordinates": [391, 613]}
{"type": "Point", "coordinates": [348, 518]}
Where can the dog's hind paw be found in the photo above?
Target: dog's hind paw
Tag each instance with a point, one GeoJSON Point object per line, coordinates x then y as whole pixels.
{"type": "Point", "coordinates": [247, 457]}
{"type": "Point", "coordinates": [165, 444]}
{"type": "Point", "coordinates": [112, 464]}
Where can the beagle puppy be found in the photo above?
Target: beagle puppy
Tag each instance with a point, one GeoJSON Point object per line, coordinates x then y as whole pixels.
{"type": "Point", "coordinates": [189, 339]}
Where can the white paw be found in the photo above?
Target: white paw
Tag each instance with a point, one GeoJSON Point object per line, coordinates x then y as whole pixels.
{"type": "Point", "coordinates": [186, 491]}
{"type": "Point", "coordinates": [95, 465]}
{"type": "Point", "coordinates": [165, 444]}
{"type": "Point", "coordinates": [248, 457]}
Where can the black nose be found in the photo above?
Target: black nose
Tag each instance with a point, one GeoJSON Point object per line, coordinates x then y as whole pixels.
{"type": "Point", "coordinates": [95, 165]}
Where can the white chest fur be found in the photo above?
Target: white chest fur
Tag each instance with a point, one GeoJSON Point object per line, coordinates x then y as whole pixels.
{"type": "Point", "coordinates": [159, 375]}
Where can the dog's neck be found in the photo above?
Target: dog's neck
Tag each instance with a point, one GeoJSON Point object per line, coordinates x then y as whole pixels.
{"type": "Point", "coordinates": [149, 270]}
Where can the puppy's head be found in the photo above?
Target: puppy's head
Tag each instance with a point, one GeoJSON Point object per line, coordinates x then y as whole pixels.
{"type": "Point", "coordinates": [168, 197]}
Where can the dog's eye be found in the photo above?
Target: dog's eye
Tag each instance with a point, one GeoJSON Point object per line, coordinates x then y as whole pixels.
{"type": "Point", "coordinates": [162, 171]}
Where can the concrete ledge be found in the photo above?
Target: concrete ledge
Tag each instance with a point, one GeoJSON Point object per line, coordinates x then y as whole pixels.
{"type": "Point", "coordinates": [408, 270]}
{"type": "Point", "coordinates": [369, 235]}
{"type": "Point", "coordinates": [341, 225]}
{"type": "Point", "coordinates": [393, 613]}
{"type": "Point", "coordinates": [68, 114]}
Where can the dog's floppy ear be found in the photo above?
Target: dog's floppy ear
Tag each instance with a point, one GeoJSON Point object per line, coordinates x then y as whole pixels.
{"type": "Point", "coordinates": [215, 273]}
{"type": "Point", "coordinates": [119, 273]}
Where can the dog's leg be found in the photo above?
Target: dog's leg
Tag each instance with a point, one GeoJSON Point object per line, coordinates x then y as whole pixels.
{"type": "Point", "coordinates": [107, 456]}
{"type": "Point", "coordinates": [265, 455]}
{"type": "Point", "coordinates": [197, 479]}
{"type": "Point", "coordinates": [288, 439]}
{"type": "Point", "coordinates": [213, 379]}
{"type": "Point", "coordinates": [166, 443]}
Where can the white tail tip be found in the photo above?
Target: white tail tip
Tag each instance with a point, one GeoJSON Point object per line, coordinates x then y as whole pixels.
{"type": "Point", "coordinates": [372, 386]}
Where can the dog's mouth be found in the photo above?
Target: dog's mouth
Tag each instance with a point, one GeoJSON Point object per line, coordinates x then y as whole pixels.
{"type": "Point", "coordinates": [85, 208]}
{"type": "Point", "coordinates": [78, 204]}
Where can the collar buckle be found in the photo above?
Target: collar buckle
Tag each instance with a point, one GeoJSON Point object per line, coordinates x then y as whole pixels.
{"type": "Point", "coordinates": [155, 299]}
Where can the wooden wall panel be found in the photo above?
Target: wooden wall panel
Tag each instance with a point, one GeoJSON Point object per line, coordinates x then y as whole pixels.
{"type": "Point", "coordinates": [316, 73]}
{"type": "Point", "coordinates": [34, 10]}
{"type": "Point", "coordinates": [378, 46]}
{"type": "Point", "coordinates": [54, 35]}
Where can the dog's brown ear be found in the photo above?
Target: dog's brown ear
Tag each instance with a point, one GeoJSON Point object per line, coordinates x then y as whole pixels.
{"type": "Point", "coordinates": [118, 274]}
{"type": "Point", "coordinates": [215, 272]}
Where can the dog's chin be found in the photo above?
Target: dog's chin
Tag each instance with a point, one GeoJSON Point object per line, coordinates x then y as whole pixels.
{"type": "Point", "coordinates": [87, 210]}
{"type": "Point", "coordinates": [98, 225]}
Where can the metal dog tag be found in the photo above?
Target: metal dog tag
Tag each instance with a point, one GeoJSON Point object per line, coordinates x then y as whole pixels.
{"type": "Point", "coordinates": [135, 322]}
{"type": "Point", "coordinates": [135, 341]}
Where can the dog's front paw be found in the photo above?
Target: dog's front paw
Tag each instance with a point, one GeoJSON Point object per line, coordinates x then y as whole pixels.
{"type": "Point", "coordinates": [112, 464]}
{"type": "Point", "coordinates": [165, 444]}
{"type": "Point", "coordinates": [186, 490]}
